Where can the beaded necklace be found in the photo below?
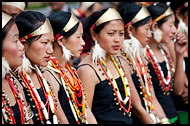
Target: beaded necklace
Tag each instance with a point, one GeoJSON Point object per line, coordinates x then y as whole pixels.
{"type": "Point", "coordinates": [71, 90]}
{"type": "Point", "coordinates": [165, 83]}
{"type": "Point", "coordinates": [112, 82]}
{"type": "Point", "coordinates": [141, 72]}
{"type": "Point", "coordinates": [32, 91]}
{"type": "Point", "coordinates": [20, 101]}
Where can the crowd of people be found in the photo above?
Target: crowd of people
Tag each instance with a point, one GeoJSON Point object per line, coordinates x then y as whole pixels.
{"type": "Point", "coordinates": [126, 63]}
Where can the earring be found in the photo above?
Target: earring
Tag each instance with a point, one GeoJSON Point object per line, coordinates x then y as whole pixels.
{"type": "Point", "coordinates": [26, 66]}
{"type": "Point", "coordinates": [136, 47]}
{"type": "Point", "coordinates": [66, 53]}
{"type": "Point", "coordinates": [98, 53]}
{"type": "Point", "coordinates": [182, 28]}
{"type": "Point", "coordinates": [157, 35]}
{"type": "Point", "coordinates": [5, 67]}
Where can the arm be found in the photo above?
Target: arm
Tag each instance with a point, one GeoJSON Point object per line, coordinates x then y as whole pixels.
{"type": "Point", "coordinates": [180, 48]}
{"type": "Point", "coordinates": [87, 76]}
{"type": "Point", "coordinates": [90, 117]}
{"type": "Point", "coordinates": [59, 112]}
{"type": "Point", "coordinates": [157, 107]}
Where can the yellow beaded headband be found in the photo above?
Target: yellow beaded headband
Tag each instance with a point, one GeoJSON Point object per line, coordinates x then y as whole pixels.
{"type": "Point", "coordinates": [143, 13]}
{"type": "Point", "coordinates": [166, 13]}
{"type": "Point", "coordinates": [20, 5]}
{"type": "Point", "coordinates": [110, 14]}
{"type": "Point", "coordinates": [70, 24]}
{"type": "Point", "coordinates": [43, 29]}
{"type": "Point", "coordinates": [5, 19]}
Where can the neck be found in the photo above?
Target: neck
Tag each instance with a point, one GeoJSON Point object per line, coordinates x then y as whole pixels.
{"type": "Point", "coordinates": [59, 56]}
{"type": "Point", "coordinates": [154, 45]}
{"type": "Point", "coordinates": [108, 59]}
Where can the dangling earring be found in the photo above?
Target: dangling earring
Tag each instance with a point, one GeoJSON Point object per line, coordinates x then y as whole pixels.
{"type": "Point", "coordinates": [98, 53]}
{"type": "Point", "coordinates": [26, 66]}
{"type": "Point", "coordinates": [136, 47]}
{"type": "Point", "coordinates": [5, 67]}
{"type": "Point", "coordinates": [157, 35]}
{"type": "Point", "coordinates": [182, 28]}
{"type": "Point", "coordinates": [66, 53]}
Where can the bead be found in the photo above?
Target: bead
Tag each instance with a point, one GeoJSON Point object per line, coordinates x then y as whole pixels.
{"type": "Point", "coordinates": [103, 73]}
{"type": "Point", "coordinates": [109, 83]}
{"type": "Point", "coordinates": [115, 99]}
{"type": "Point", "coordinates": [28, 94]}
{"type": "Point", "coordinates": [120, 109]}
{"type": "Point", "coordinates": [124, 114]}
{"type": "Point", "coordinates": [100, 69]}
{"type": "Point", "coordinates": [114, 94]}
{"type": "Point", "coordinates": [117, 103]}
{"type": "Point", "coordinates": [33, 106]}
{"type": "Point", "coordinates": [31, 99]}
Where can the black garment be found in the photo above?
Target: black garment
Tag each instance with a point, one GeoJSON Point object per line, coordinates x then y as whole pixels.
{"type": "Point", "coordinates": [104, 107]}
{"type": "Point", "coordinates": [65, 103]}
{"type": "Point", "coordinates": [137, 86]}
{"type": "Point", "coordinates": [178, 100]}
{"type": "Point", "coordinates": [165, 101]}
{"type": "Point", "coordinates": [16, 113]}
{"type": "Point", "coordinates": [35, 111]}
{"type": "Point", "coordinates": [186, 66]}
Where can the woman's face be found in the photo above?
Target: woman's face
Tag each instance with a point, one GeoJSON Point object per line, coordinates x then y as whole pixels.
{"type": "Point", "coordinates": [111, 37]}
{"type": "Point", "coordinates": [75, 42]}
{"type": "Point", "coordinates": [143, 33]}
{"type": "Point", "coordinates": [168, 29]}
{"type": "Point", "coordinates": [40, 50]}
{"type": "Point", "coordinates": [13, 49]}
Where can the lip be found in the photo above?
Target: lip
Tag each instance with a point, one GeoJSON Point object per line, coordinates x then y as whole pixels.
{"type": "Point", "coordinates": [81, 50]}
{"type": "Point", "coordinates": [147, 42]}
{"type": "Point", "coordinates": [116, 47]}
{"type": "Point", "coordinates": [22, 56]}
{"type": "Point", "coordinates": [47, 58]}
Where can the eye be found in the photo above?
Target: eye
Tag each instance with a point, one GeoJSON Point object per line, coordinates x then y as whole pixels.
{"type": "Point", "coordinates": [111, 33]}
{"type": "Point", "coordinates": [121, 33]}
{"type": "Point", "coordinates": [16, 41]}
{"type": "Point", "coordinates": [44, 43]}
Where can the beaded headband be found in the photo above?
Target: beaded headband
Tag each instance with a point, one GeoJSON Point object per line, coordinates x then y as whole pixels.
{"type": "Point", "coordinates": [85, 5]}
{"type": "Point", "coordinates": [110, 14]}
{"type": "Point", "coordinates": [43, 29]}
{"type": "Point", "coordinates": [143, 13]}
{"type": "Point", "coordinates": [20, 5]}
{"type": "Point", "coordinates": [5, 19]}
{"type": "Point", "coordinates": [166, 13]}
{"type": "Point", "coordinates": [70, 24]}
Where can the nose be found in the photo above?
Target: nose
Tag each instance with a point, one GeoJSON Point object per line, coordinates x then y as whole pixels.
{"type": "Point", "coordinates": [174, 30]}
{"type": "Point", "coordinates": [50, 48]}
{"type": "Point", "coordinates": [149, 34]}
{"type": "Point", "coordinates": [82, 42]}
{"type": "Point", "coordinates": [21, 46]}
{"type": "Point", "coordinates": [117, 38]}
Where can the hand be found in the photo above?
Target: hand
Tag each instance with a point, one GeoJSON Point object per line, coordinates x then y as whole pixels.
{"type": "Point", "coordinates": [180, 44]}
{"type": "Point", "coordinates": [185, 95]}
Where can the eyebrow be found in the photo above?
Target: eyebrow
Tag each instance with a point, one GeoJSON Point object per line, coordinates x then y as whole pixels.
{"type": "Point", "coordinates": [48, 40]}
{"type": "Point", "coordinates": [15, 35]}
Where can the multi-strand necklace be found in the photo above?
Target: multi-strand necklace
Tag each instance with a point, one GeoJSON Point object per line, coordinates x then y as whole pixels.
{"type": "Point", "coordinates": [141, 72]}
{"type": "Point", "coordinates": [113, 83]}
{"type": "Point", "coordinates": [165, 83]}
{"type": "Point", "coordinates": [6, 106]}
{"type": "Point", "coordinates": [43, 113]}
{"type": "Point", "coordinates": [73, 90]}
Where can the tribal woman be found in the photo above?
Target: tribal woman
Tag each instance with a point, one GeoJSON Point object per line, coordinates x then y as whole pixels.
{"type": "Point", "coordinates": [14, 106]}
{"type": "Point", "coordinates": [137, 21]}
{"type": "Point", "coordinates": [167, 76]}
{"type": "Point", "coordinates": [106, 77]}
{"type": "Point", "coordinates": [36, 34]}
{"type": "Point", "coordinates": [68, 33]}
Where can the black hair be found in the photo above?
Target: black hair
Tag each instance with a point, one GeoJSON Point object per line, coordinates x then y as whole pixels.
{"type": "Point", "coordinates": [59, 20]}
{"type": "Point", "coordinates": [7, 27]}
{"type": "Point", "coordinates": [156, 10]}
{"type": "Point", "coordinates": [29, 21]}
{"type": "Point", "coordinates": [128, 10]}
{"type": "Point", "coordinates": [175, 6]}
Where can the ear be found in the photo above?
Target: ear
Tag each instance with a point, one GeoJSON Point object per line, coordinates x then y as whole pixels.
{"type": "Point", "coordinates": [61, 40]}
{"type": "Point", "coordinates": [178, 15]}
{"type": "Point", "coordinates": [154, 26]}
{"type": "Point", "coordinates": [94, 35]}
{"type": "Point", "coordinates": [129, 29]}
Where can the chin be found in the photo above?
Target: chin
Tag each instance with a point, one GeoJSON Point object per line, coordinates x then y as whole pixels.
{"type": "Point", "coordinates": [43, 64]}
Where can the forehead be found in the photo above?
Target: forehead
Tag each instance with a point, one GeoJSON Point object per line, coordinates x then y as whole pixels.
{"type": "Point", "coordinates": [115, 24]}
